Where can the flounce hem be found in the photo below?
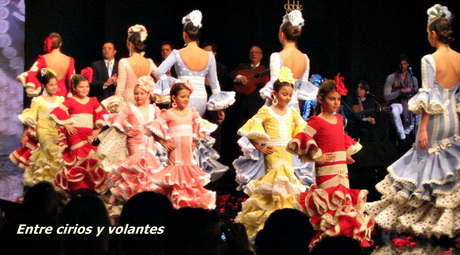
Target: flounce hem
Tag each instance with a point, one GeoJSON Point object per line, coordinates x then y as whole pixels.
{"type": "Point", "coordinates": [221, 100]}
{"type": "Point", "coordinates": [207, 157]}
{"type": "Point", "coordinates": [113, 104]}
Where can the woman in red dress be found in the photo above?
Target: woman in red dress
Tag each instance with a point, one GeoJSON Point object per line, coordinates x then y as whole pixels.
{"type": "Point", "coordinates": [63, 65]}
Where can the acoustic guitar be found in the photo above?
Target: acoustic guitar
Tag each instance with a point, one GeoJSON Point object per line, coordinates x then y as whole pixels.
{"type": "Point", "coordinates": [375, 110]}
{"type": "Point", "coordinates": [257, 77]}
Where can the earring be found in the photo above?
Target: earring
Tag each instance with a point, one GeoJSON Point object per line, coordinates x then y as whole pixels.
{"type": "Point", "coordinates": [45, 93]}
{"type": "Point", "coordinates": [275, 101]}
{"type": "Point", "coordinates": [174, 105]}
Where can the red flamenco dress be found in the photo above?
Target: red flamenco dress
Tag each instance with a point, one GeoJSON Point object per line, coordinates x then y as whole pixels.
{"type": "Point", "coordinates": [32, 82]}
{"type": "Point", "coordinates": [333, 207]}
{"type": "Point", "coordinates": [81, 166]}
{"type": "Point", "coordinates": [182, 180]}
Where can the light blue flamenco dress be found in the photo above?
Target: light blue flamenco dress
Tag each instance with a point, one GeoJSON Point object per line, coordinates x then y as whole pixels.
{"type": "Point", "coordinates": [421, 193]}
{"type": "Point", "coordinates": [303, 88]}
{"type": "Point", "coordinates": [204, 155]}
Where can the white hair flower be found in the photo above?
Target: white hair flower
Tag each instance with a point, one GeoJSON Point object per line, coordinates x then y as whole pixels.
{"type": "Point", "coordinates": [139, 29]}
{"type": "Point", "coordinates": [146, 83]}
{"type": "Point", "coordinates": [295, 17]}
{"type": "Point", "coordinates": [195, 17]}
{"type": "Point", "coordinates": [438, 11]}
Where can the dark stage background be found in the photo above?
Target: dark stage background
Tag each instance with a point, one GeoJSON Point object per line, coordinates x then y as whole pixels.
{"type": "Point", "coordinates": [359, 38]}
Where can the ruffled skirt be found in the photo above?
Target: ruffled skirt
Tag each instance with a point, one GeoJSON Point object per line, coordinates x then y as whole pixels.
{"type": "Point", "coordinates": [206, 158]}
{"type": "Point", "coordinates": [421, 193]}
{"type": "Point", "coordinates": [184, 185]}
{"type": "Point", "coordinates": [278, 189]}
{"type": "Point", "coordinates": [337, 211]}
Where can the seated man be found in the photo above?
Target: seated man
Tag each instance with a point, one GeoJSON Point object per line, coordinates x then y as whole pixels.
{"type": "Point", "coordinates": [365, 108]}
{"type": "Point", "coordinates": [400, 86]}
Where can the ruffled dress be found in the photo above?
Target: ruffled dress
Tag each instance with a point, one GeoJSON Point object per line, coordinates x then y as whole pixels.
{"type": "Point", "coordinates": [333, 207]}
{"type": "Point", "coordinates": [42, 161]}
{"type": "Point", "coordinates": [33, 85]}
{"type": "Point", "coordinates": [303, 88]}
{"type": "Point", "coordinates": [183, 181]}
{"type": "Point", "coordinates": [113, 147]}
{"type": "Point", "coordinates": [421, 193]}
{"type": "Point", "coordinates": [276, 187]}
{"type": "Point", "coordinates": [81, 166]}
{"type": "Point", "coordinates": [205, 155]}
{"type": "Point", "coordinates": [135, 174]}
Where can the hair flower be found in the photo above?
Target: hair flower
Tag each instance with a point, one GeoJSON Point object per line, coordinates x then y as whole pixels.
{"type": "Point", "coordinates": [438, 11]}
{"type": "Point", "coordinates": [340, 86]}
{"type": "Point", "coordinates": [295, 17]}
{"type": "Point", "coordinates": [46, 70]}
{"type": "Point", "coordinates": [186, 83]}
{"type": "Point", "coordinates": [195, 17]}
{"type": "Point", "coordinates": [138, 29]}
{"type": "Point", "coordinates": [88, 73]}
{"type": "Point", "coordinates": [285, 75]}
{"type": "Point", "coordinates": [48, 47]}
{"type": "Point", "coordinates": [146, 83]}
{"type": "Point", "coordinates": [316, 79]}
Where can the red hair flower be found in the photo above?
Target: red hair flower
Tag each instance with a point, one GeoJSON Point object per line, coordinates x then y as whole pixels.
{"type": "Point", "coordinates": [88, 73]}
{"type": "Point", "coordinates": [48, 44]}
{"type": "Point", "coordinates": [340, 86]}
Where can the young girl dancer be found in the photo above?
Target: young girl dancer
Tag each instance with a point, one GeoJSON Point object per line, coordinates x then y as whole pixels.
{"type": "Point", "coordinates": [269, 132]}
{"type": "Point", "coordinates": [179, 130]}
{"type": "Point", "coordinates": [135, 174]}
{"type": "Point", "coordinates": [333, 207]}
{"type": "Point", "coordinates": [421, 192]}
{"type": "Point", "coordinates": [42, 162]}
{"type": "Point", "coordinates": [79, 115]}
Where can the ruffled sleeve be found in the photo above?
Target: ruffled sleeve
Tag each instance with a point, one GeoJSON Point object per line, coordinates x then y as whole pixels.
{"type": "Point", "coordinates": [201, 127]}
{"type": "Point", "coordinates": [219, 100]}
{"type": "Point", "coordinates": [113, 104]}
{"type": "Point", "coordinates": [29, 116]}
{"type": "Point", "coordinates": [30, 80]}
{"type": "Point", "coordinates": [158, 127]}
{"type": "Point", "coordinates": [275, 66]}
{"type": "Point", "coordinates": [351, 145]}
{"type": "Point", "coordinates": [298, 121]}
{"type": "Point", "coordinates": [427, 99]}
{"type": "Point", "coordinates": [99, 113]}
{"type": "Point", "coordinates": [163, 86]}
{"type": "Point", "coordinates": [60, 114]}
{"type": "Point", "coordinates": [303, 143]}
{"type": "Point", "coordinates": [306, 90]}
{"type": "Point", "coordinates": [253, 129]}
{"type": "Point", "coordinates": [119, 120]}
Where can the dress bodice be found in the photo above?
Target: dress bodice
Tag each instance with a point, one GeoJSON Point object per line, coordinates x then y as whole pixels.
{"type": "Point", "coordinates": [127, 79]}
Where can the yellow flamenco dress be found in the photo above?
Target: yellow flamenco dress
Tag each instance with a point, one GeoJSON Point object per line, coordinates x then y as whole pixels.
{"type": "Point", "coordinates": [278, 187]}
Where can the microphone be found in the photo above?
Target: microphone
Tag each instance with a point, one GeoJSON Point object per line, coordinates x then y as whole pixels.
{"type": "Point", "coordinates": [410, 71]}
{"type": "Point", "coordinates": [369, 94]}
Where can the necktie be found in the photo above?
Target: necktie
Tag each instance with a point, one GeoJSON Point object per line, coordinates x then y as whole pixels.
{"type": "Point", "coordinates": [109, 68]}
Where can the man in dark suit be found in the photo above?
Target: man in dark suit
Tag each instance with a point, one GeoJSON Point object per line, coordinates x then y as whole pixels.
{"type": "Point", "coordinates": [105, 73]}
{"type": "Point", "coordinates": [245, 106]}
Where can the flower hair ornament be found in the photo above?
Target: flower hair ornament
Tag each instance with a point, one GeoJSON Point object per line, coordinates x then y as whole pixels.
{"type": "Point", "coordinates": [195, 17]}
{"type": "Point", "coordinates": [48, 47]}
{"type": "Point", "coordinates": [285, 75]}
{"type": "Point", "coordinates": [46, 70]}
{"type": "Point", "coordinates": [438, 11]}
{"type": "Point", "coordinates": [186, 83]}
{"type": "Point", "coordinates": [88, 73]}
{"type": "Point", "coordinates": [295, 17]}
{"type": "Point", "coordinates": [340, 86]}
{"type": "Point", "coordinates": [138, 29]}
{"type": "Point", "coordinates": [146, 83]}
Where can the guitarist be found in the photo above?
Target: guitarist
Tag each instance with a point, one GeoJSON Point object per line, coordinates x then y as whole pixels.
{"type": "Point", "coordinates": [364, 124]}
{"type": "Point", "coordinates": [400, 86]}
{"type": "Point", "coordinates": [246, 105]}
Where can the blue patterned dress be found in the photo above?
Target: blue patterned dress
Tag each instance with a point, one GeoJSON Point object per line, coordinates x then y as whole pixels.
{"type": "Point", "coordinates": [421, 193]}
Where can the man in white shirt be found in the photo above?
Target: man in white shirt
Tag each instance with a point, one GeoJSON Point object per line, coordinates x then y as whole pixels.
{"type": "Point", "coordinates": [105, 73]}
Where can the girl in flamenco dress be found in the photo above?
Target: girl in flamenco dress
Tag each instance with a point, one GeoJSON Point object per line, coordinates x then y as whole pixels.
{"type": "Point", "coordinates": [135, 174]}
{"type": "Point", "coordinates": [82, 117]}
{"type": "Point", "coordinates": [42, 161]}
{"type": "Point", "coordinates": [269, 131]}
{"type": "Point", "coordinates": [63, 65]}
{"type": "Point", "coordinates": [193, 64]}
{"type": "Point", "coordinates": [179, 129]}
{"type": "Point", "coordinates": [333, 207]}
{"type": "Point", "coordinates": [421, 193]}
